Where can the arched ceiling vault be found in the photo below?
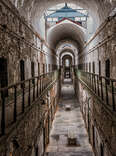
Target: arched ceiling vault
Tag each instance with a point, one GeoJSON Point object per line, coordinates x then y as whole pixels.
{"type": "Point", "coordinates": [67, 51]}
{"type": "Point", "coordinates": [68, 42]}
{"type": "Point", "coordinates": [98, 9]}
{"type": "Point", "coordinates": [33, 10]}
{"type": "Point", "coordinates": [67, 57]}
{"type": "Point", "coordinates": [66, 31]}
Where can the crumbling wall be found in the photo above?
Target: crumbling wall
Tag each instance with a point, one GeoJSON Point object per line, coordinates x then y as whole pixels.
{"type": "Point", "coordinates": [100, 48]}
{"type": "Point", "coordinates": [99, 121]}
{"type": "Point", "coordinates": [19, 41]}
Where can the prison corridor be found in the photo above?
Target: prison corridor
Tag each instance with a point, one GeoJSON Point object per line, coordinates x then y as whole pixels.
{"type": "Point", "coordinates": [68, 136]}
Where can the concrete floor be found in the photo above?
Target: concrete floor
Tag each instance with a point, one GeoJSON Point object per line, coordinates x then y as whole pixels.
{"type": "Point", "coordinates": [65, 122]}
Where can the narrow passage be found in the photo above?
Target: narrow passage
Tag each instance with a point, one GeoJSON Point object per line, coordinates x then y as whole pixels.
{"type": "Point", "coordinates": [68, 123]}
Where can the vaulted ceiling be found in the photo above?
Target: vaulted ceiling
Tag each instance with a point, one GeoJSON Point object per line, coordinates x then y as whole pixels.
{"type": "Point", "coordinates": [35, 8]}
{"type": "Point", "coordinates": [63, 31]}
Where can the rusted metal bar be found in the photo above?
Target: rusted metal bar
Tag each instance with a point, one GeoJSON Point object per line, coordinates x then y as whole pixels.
{"type": "Point", "coordinates": [21, 94]}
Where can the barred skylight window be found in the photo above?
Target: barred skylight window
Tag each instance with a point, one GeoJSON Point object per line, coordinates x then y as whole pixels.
{"type": "Point", "coordinates": [49, 19]}
{"type": "Point", "coordinates": [77, 19]}
{"type": "Point", "coordinates": [83, 18]}
{"type": "Point", "coordinates": [55, 19]}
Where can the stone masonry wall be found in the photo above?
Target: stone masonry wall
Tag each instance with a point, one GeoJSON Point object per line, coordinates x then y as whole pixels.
{"type": "Point", "coordinates": [99, 121]}
{"type": "Point", "coordinates": [101, 48]}
{"type": "Point", "coordinates": [18, 41]}
{"type": "Point", "coordinates": [31, 131]}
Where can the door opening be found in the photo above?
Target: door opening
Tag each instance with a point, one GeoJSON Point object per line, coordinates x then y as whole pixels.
{"type": "Point", "coordinates": [101, 150]}
{"type": "Point", "coordinates": [107, 68]}
{"type": "Point", "coordinates": [22, 71]}
{"type": "Point", "coordinates": [3, 75]}
{"type": "Point", "coordinates": [32, 71]}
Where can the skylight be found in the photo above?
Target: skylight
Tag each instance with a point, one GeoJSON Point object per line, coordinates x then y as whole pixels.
{"type": "Point", "coordinates": [59, 6]}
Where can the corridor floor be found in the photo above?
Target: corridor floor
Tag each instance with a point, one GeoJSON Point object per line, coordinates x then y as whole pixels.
{"type": "Point", "coordinates": [65, 122]}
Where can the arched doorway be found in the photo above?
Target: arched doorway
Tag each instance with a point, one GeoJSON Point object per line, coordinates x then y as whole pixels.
{"type": "Point", "coordinates": [67, 64]}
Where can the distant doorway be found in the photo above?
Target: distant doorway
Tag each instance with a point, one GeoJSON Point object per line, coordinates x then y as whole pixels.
{"type": "Point", "coordinates": [67, 72]}
{"type": "Point", "coordinates": [67, 69]}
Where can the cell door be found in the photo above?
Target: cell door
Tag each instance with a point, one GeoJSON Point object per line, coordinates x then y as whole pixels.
{"type": "Point", "coordinates": [36, 151]}
{"type": "Point", "coordinates": [90, 67]}
{"type": "Point", "coordinates": [86, 67]}
{"type": "Point", "coordinates": [93, 67]}
{"type": "Point", "coordinates": [32, 71]}
{"type": "Point", "coordinates": [22, 70]}
{"type": "Point", "coordinates": [44, 139]}
{"type": "Point", "coordinates": [101, 150]}
{"type": "Point", "coordinates": [38, 69]}
{"type": "Point", "coordinates": [93, 131]}
{"type": "Point", "coordinates": [99, 68]}
{"type": "Point", "coordinates": [107, 70]}
{"type": "Point", "coordinates": [3, 74]}
{"type": "Point", "coordinates": [43, 68]}
{"type": "Point", "coordinates": [46, 68]}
